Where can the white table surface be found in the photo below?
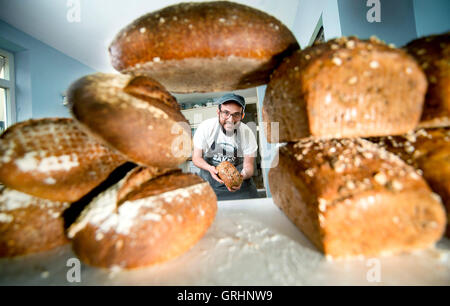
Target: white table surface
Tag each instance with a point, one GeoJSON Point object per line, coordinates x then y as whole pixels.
{"type": "Point", "coordinates": [251, 242]}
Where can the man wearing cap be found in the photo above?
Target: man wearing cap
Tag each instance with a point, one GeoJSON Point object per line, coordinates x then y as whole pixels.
{"type": "Point", "coordinates": [226, 138]}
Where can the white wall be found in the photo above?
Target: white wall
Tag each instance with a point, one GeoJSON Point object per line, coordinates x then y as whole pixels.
{"type": "Point", "coordinates": [308, 15]}
{"type": "Point", "coordinates": [432, 16]}
{"type": "Point", "coordinates": [301, 17]}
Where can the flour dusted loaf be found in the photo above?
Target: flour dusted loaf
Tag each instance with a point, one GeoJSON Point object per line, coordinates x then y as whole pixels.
{"type": "Point", "coordinates": [203, 47]}
{"type": "Point", "coordinates": [146, 218]}
{"type": "Point", "coordinates": [344, 88]}
{"type": "Point", "coordinates": [433, 54]}
{"type": "Point", "coordinates": [351, 198]}
{"type": "Point", "coordinates": [134, 115]}
{"type": "Point", "coordinates": [52, 158]}
{"type": "Point", "coordinates": [228, 173]}
{"type": "Point", "coordinates": [429, 151]}
{"type": "Point", "coordinates": [29, 224]}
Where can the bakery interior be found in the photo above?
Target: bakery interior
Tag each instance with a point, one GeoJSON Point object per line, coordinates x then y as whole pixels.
{"type": "Point", "coordinates": [46, 45]}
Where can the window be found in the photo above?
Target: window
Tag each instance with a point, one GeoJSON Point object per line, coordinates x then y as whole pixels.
{"type": "Point", "coordinates": [318, 35]}
{"type": "Point", "coordinates": [7, 103]}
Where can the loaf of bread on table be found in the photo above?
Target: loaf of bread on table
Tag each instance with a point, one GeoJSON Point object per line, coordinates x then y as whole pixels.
{"type": "Point", "coordinates": [352, 198]}
{"type": "Point", "coordinates": [344, 88]}
{"type": "Point", "coordinates": [203, 47]}
{"type": "Point", "coordinates": [228, 173]}
{"type": "Point", "coordinates": [429, 151]}
{"type": "Point", "coordinates": [29, 224]}
{"type": "Point", "coordinates": [146, 218]}
{"type": "Point", "coordinates": [433, 54]}
{"type": "Point", "coordinates": [52, 158]}
{"type": "Point", "coordinates": [134, 115]}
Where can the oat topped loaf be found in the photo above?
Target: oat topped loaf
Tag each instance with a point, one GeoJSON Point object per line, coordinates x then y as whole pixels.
{"type": "Point", "coordinates": [203, 47]}
{"type": "Point", "coordinates": [350, 197]}
{"type": "Point", "coordinates": [345, 87]}
{"type": "Point", "coordinates": [427, 150]}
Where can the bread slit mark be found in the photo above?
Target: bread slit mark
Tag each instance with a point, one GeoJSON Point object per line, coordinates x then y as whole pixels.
{"type": "Point", "coordinates": [136, 178]}
{"type": "Point", "coordinates": [148, 90]}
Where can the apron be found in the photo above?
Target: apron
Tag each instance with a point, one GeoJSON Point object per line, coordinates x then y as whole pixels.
{"type": "Point", "coordinates": [218, 153]}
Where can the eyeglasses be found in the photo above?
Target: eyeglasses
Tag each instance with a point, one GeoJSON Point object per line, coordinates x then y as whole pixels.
{"type": "Point", "coordinates": [227, 114]}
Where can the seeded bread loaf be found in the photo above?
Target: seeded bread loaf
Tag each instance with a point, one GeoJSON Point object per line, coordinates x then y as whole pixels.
{"type": "Point", "coordinates": [344, 88]}
{"type": "Point", "coordinates": [134, 115]}
{"type": "Point", "coordinates": [228, 173]}
{"type": "Point", "coordinates": [29, 224]}
{"type": "Point", "coordinates": [52, 158]}
{"type": "Point", "coordinates": [433, 54]}
{"type": "Point", "coordinates": [429, 151]}
{"type": "Point", "coordinates": [351, 198]}
{"type": "Point", "coordinates": [146, 218]}
{"type": "Point", "coordinates": [203, 47]}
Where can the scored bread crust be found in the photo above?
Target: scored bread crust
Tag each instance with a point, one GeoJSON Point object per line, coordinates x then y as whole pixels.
{"type": "Point", "coordinates": [228, 173]}
{"type": "Point", "coordinates": [344, 88]}
{"type": "Point", "coordinates": [203, 47]}
{"type": "Point", "coordinates": [29, 224]}
{"type": "Point", "coordinates": [54, 159]}
{"type": "Point", "coordinates": [433, 54]}
{"type": "Point", "coordinates": [154, 221]}
{"type": "Point", "coordinates": [351, 198]}
{"type": "Point", "coordinates": [429, 151]}
{"type": "Point", "coordinates": [134, 115]}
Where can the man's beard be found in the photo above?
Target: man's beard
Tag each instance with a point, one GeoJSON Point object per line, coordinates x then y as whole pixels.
{"type": "Point", "coordinates": [229, 131]}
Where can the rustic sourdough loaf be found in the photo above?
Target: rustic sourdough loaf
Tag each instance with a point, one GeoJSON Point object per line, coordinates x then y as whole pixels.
{"type": "Point", "coordinates": [344, 88]}
{"type": "Point", "coordinates": [429, 151]}
{"type": "Point", "coordinates": [146, 218]}
{"type": "Point", "coordinates": [203, 47]}
{"type": "Point", "coordinates": [228, 173]}
{"type": "Point", "coordinates": [350, 197]}
{"type": "Point", "coordinates": [53, 159]}
{"type": "Point", "coordinates": [29, 224]}
{"type": "Point", "coordinates": [134, 115]}
{"type": "Point", "coordinates": [433, 54]}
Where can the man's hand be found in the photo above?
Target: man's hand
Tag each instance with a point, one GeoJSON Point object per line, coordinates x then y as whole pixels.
{"type": "Point", "coordinates": [213, 171]}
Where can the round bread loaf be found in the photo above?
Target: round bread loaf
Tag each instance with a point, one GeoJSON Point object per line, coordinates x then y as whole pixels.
{"type": "Point", "coordinates": [29, 224]}
{"type": "Point", "coordinates": [134, 115]}
{"type": "Point", "coordinates": [52, 158]}
{"type": "Point", "coordinates": [433, 55]}
{"type": "Point", "coordinates": [344, 88]}
{"type": "Point", "coordinates": [228, 173]}
{"type": "Point", "coordinates": [203, 47]}
{"type": "Point", "coordinates": [142, 220]}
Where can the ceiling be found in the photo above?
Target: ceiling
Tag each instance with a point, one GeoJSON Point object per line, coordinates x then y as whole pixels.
{"type": "Point", "coordinates": [87, 40]}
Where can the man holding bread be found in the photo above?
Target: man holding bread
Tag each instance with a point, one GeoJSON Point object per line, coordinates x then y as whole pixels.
{"type": "Point", "coordinates": [226, 138]}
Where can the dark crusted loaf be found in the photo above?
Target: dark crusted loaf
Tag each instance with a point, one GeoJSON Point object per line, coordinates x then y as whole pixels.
{"type": "Point", "coordinates": [433, 55]}
{"type": "Point", "coordinates": [203, 47]}
{"type": "Point", "coordinates": [344, 88]}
